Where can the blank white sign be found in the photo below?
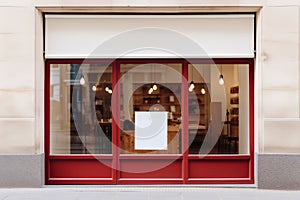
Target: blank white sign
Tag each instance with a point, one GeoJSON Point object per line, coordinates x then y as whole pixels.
{"type": "Point", "coordinates": [151, 131]}
{"type": "Point", "coordinates": [113, 36]}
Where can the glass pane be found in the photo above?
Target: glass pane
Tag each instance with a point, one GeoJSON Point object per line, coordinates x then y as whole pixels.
{"type": "Point", "coordinates": [146, 89]}
{"type": "Point", "coordinates": [80, 109]}
{"type": "Point", "coordinates": [218, 109]}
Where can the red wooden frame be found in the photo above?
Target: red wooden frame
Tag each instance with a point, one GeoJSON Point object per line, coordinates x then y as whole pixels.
{"type": "Point", "coordinates": [185, 113]}
{"type": "Point", "coordinates": [243, 165]}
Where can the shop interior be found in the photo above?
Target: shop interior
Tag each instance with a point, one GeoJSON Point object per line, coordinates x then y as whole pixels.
{"type": "Point", "coordinates": [82, 112]}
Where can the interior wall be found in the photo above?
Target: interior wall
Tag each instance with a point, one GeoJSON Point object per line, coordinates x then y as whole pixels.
{"type": "Point", "coordinates": [217, 91]}
{"type": "Point", "coordinates": [244, 112]}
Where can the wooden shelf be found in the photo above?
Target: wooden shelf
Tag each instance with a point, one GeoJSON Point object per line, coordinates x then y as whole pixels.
{"type": "Point", "coordinates": [234, 90]}
{"type": "Point", "coordinates": [234, 117]}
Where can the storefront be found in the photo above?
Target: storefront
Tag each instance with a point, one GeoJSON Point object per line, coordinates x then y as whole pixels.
{"type": "Point", "coordinates": [149, 99]}
{"type": "Point", "coordinates": [84, 81]}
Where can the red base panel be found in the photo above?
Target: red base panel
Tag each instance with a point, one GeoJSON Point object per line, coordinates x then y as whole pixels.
{"type": "Point", "coordinates": [147, 169]}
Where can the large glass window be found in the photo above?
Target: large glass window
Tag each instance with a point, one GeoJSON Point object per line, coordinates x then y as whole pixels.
{"type": "Point", "coordinates": [218, 109]}
{"type": "Point", "coordinates": [80, 109]}
{"type": "Point", "coordinates": [149, 120]}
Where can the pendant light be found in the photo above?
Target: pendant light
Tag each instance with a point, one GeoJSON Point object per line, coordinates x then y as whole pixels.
{"type": "Point", "coordinates": [202, 88]}
{"type": "Point", "coordinates": [192, 84]}
{"type": "Point", "coordinates": [108, 90]}
{"type": "Point", "coordinates": [94, 88]}
{"type": "Point", "coordinates": [150, 90]}
{"type": "Point", "coordinates": [154, 87]}
{"type": "Point", "coordinates": [82, 81]}
{"type": "Point", "coordinates": [221, 78]}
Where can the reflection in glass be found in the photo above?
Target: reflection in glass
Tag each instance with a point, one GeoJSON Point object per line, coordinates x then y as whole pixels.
{"type": "Point", "coordinates": [80, 109]}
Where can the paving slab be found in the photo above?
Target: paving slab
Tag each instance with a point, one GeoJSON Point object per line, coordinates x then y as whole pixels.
{"type": "Point", "coordinates": [145, 193]}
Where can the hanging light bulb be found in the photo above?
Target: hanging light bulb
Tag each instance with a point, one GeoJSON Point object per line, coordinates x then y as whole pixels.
{"type": "Point", "coordinates": [221, 80]}
{"type": "Point", "coordinates": [202, 90]}
{"type": "Point", "coordinates": [192, 86]}
{"type": "Point", "coordinates": [94, 88]}
{"type": "Point", "coordinates": [110, 91]}
{"type": "Point", "coordinates": [150, 91]}
{"type": "Point", "coordinates": [154, 87]}
{"type": "Point", "coordinates": [106, 88]}
{"type": "Point", "coordinates": [82, 81]}
{"type": "Point", "coordinates": [203, 79]}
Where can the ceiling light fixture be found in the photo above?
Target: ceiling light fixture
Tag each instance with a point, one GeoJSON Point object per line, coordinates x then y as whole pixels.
{"type": "Point", "coordinates": [192, 84]}
{"type": "Point", "coordinates": [153, 75]}
{"type": "Point", "coordinates": [221, 78]}
{"type": "Point", "coordinates": [82, 81]}
{"type": "Point", "coordinates": [154, 86]}
{"type": "Point", "coordinates": [94, 88]}
{"type": "Point", "coordinates": [150, 91]}
{"type": "Point", "coordinates": [202, 90]}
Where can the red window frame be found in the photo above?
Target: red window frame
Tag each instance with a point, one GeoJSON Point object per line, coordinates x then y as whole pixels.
{"type": "Point", "coordinates": [211, 169]}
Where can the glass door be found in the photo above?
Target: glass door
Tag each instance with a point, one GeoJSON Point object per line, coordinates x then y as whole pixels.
{"type": "Point", "coordinates": [150, 124]}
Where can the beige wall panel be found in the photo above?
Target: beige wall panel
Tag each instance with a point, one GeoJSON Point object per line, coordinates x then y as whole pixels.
{"type": "Point", "coordinates": [280, 61]}
{"type": "Point", "coordinates": [282, 136]}
{"type": "Point", "coordinates": [280, 19]}
{"type": "Point", "coordinates": [281, 103]}
{"type": "Point", "coordinates": [17, 34]}
{"type": "Point", "coordinates": [280, 46]}
{"type": "Point", "coordinates": [16, 18]}
{"type": "Point", "coordinates": [16, 74]}
{"type": "Point", "coordinates": [281, 75]}
{"type": "Point", "coordinates": [17, 136]}
{"type": "Point", "coordinates": [17, 104]}
{"type": "Point", "coordinates": [17, 46]}
{"type": "Point", "coordinates": [17, 77]}
{"type": "Point", "coordinates": [282, 3]}
{"type": "Point", "coordinates": [16, 3]}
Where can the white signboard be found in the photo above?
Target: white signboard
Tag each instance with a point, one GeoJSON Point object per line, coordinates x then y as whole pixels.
{"type": "Point", "coordinates": [133, 36]}
{"type": "Point", "coordinates": [151, 131]}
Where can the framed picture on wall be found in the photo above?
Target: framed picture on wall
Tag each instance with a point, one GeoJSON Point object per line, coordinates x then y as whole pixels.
{"type": "Point", "coordinates": [172, 108]}
{"type": "Point", "coordinates": [171, 98]}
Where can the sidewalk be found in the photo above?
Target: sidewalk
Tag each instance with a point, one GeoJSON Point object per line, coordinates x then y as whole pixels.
{"type": "Point", "coordinates": [145, 193]}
